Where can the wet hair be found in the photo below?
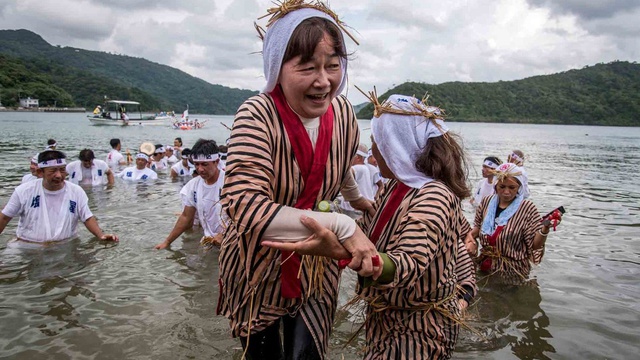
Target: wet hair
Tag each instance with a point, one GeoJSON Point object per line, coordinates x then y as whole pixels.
{"type": "Point", "coordinates": [493, 159]}
{"type": "Point", "coordinates": [51, 142]}
{"type": "Point", "coordinates": [204, 147]}
{"type": "Point", "coordinates": [308, 35]}
{"type": "Point", "coordinates": [444, 160]}
{"type": "Point", "coordinates": [223, 148]}
{"type": "Point", "coordinates": [114, 143]}
{"type": "Point", "coordinates": [86, 155]}
{"type": "Point", "coordinates": [179, 140]}
{"type": "Point", "coordinates": [50, 155]}
{"type": "Point", "coordinates": [186, 152]}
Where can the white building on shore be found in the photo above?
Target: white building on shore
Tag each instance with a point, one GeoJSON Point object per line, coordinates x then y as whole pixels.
{"type": "Point", "coordinates": [29, 103]}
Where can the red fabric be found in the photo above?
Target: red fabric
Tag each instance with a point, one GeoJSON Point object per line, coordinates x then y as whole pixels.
{"type": "Point", "coordinates": [485, 265]}
{"type": "Point", "coordinates": [309, 162]}
{"type": "Point", "coordinates": [389, 210]}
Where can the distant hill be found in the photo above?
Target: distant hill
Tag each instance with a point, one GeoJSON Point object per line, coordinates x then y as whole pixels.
{"type": "Point", "coordinates": [89, 75]}
{"type": "Point", "coordinates": [603, 94]}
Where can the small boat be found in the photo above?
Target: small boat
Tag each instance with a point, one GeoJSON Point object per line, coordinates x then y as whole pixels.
{"type": "Point", "coordinates": [185, 124]}
{"type": "Point", "coordinates": [115, 113]}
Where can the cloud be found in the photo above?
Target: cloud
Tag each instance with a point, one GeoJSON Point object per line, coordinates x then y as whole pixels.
{"type": "Point", "coordinates": [588, 10]}
{"type": "Point", "coordinates": [413, 40]}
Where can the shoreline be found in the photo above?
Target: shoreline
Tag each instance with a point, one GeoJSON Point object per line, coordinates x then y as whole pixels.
{"type": "Point", "coordinates": [47, 109]}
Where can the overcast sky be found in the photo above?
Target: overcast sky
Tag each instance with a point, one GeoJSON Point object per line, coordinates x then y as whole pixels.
{"type": "Point", "coordinates": [422, 40]}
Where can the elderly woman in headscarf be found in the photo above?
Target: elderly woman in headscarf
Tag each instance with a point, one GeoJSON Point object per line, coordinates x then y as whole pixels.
{"type": "Point", "coordinates": [509, 227]}
{"type": "Point", "coordinates": [290, 148]}
{"type": "Point", "coordinates": [418, 229]}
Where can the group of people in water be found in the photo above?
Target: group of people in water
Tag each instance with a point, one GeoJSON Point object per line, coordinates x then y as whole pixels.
{"type": "Point", "coordinates": [292, 147]}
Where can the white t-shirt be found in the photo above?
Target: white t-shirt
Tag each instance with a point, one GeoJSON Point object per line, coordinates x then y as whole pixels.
{"type": "Point", "coordinates": [47, 215]}
{"type": "Point", "coordinates": [206, 199]}
{"type": "Point", "coordinates": [483, 189]}
{"type": "Point", "coordinates": [113, 158]}
{"type": "Point", "coordinates": [97, 174]}
{"type": "Point", "coordinates": [363, 178]}
{"type": "Point", "coordinates": [181, 170]}
{"type": "Point", "coordinates": [133, 174]}
{"type": "Point", "coordinates": [28, 177]}
{"type": "Point", "coordinates": [159, 165]}
{"type": "Point", "coordinates": [171, 159]}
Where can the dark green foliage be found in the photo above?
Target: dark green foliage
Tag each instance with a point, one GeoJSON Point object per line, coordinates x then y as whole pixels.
{"type": "Point", "coordinates": [603, 94]}
{"type": "Point", "coordinates": [89, 75]}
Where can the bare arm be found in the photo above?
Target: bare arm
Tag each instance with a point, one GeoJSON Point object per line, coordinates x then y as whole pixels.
{"type": "Point", "coordinates": [184, 222]}
{"type": "Point", "coordinates": [92, 225]}
{"type": "Point", "coordinates": [174, 174]}
{"type": "Point", "coordinates": [4, 220]}
{"type": "Point", "coordinates": [110, 178]}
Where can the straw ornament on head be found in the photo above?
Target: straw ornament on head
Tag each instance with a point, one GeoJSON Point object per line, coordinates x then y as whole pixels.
{"type": "Point", "coordinates": [287, 6]}
{"type": "Point", "coordinates": [419, 108]}
{"type": "Point", "coordinates": [401, 128]}
{"type": "Point", "coordinates": [506, 170]}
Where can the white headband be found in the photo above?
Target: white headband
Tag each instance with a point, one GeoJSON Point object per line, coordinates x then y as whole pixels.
{"type": "Point", "coordinates": [51, 146]}
{"type": "Point", "coordinates": [52, 163]}
{"type": "Point", "coordinates": [222, 154]}
{"type": "Point", "coordinates": [490, 164]}
{"type": "Point", "coordinates": [362, 153]}
{"type": "Point", "coordinates": [203, 157]}
{"type": "Point", "coordinates": [159, 150]}
{"type": "Point", "coordinates": [142, 156]}
{"type": "Point", "coordinates": [515, 156]}
{"type": "Point", "coordinates": [35, 159]}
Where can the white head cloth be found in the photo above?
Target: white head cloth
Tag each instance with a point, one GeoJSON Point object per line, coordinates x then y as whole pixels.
{"type": "Point", "coordinates": [203, 157]}
{"type": "Point", "coordinates": [513, 170]}
{"type": "Point", "coordinates": [159, 150]}
{"type": "Point", "coordinates": [401, 138]}
{"type": "Point", "coordinates": [490, 164]}
{"type": "Point", "coordinates": [35, 158]}
{"type": "Point", "coordinates": [52, 163]}
{"type": "Point", "coordinates": [277, 38]}
{"type": "Point", "coordinates": [142, 156]}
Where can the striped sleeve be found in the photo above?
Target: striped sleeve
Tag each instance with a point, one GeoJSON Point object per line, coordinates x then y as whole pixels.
{"type": "Point", "coordinates": [465, 272]}
{"type": "Point", "coordinates": [248, 191]}
{"type": "Point", "coordinates": [533, 225]}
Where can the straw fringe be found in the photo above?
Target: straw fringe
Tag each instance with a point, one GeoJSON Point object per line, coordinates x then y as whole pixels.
{"type": "Point", "coordinates": [282, 8]}
{"type": "Point", "coordinates": [421, 109]}
{"type": "Point", "coordinates": [504, 264]}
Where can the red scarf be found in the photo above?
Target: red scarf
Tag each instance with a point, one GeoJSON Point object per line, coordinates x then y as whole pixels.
{"type": "Point", "coordinates": [485, 265]}
{"type": "Point", "coordinates": [309, 162]}
{"type": "Point", "coordinates": [390, 208]}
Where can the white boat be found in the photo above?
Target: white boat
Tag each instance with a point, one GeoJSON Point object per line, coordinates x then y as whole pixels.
{"type": "Point", "coordinates": [115, 113]}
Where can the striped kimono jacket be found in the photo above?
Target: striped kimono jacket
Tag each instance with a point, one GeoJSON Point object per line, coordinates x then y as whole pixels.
{"type": "Point", "coordinates": [514, 244]}
{"type": "Point", "coordinates": [425, 241]}
{"type": "Point", "coordinates": [262, 175]}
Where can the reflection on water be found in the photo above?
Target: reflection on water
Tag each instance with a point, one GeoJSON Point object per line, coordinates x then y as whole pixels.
{"type": "Point", "coordinates": [90, 299]}
{"type": "Point", "coordinates": [508, 317]}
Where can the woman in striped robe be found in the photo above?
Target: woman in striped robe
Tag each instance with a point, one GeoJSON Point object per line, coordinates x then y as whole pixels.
{"type": "Point", "coordinates": [290, 148]}
{"type": "Point", "coordinates": [418, 229]}
{"type": "Point", "coordinates": [510, 229]}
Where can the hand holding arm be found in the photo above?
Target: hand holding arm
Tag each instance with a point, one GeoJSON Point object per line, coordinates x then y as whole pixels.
{"type": "Point", "coordinates": [322, 242]}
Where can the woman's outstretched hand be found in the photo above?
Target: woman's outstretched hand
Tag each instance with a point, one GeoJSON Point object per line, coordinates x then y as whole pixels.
{"type": "Point", "coordinates": [322, 242]}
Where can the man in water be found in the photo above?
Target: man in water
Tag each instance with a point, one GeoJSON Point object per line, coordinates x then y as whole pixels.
{"type": "Point", "coordinates": [158, 160]}
{"type": "Point", "coordinates": [140, 171]}
{"type": "Point", "coordinates": [49, 208]}
{"type": "Point", "coordinates": [183, 167]}
{"type": "Point", "coordinates": [89, 171]}
{"type": "Point", "coordinates": [114, 157]}
{"type": "Point", "coordinates": [33, 167]}
{"type": "Point", "coordinates": [201, 195]}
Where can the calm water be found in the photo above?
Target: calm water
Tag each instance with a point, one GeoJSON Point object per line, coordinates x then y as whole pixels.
{"type": "Point", "coordinates": [89, 300]}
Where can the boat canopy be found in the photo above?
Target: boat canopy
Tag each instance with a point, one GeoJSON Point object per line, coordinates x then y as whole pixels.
{"type": "Point", "coordinates": [123, 102]}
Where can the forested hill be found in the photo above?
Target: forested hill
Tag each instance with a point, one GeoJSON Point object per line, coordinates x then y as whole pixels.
{"type": "Point", "coordinates": [603, 94]}
{"type": "Point", "coordinates": [87, 76]}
